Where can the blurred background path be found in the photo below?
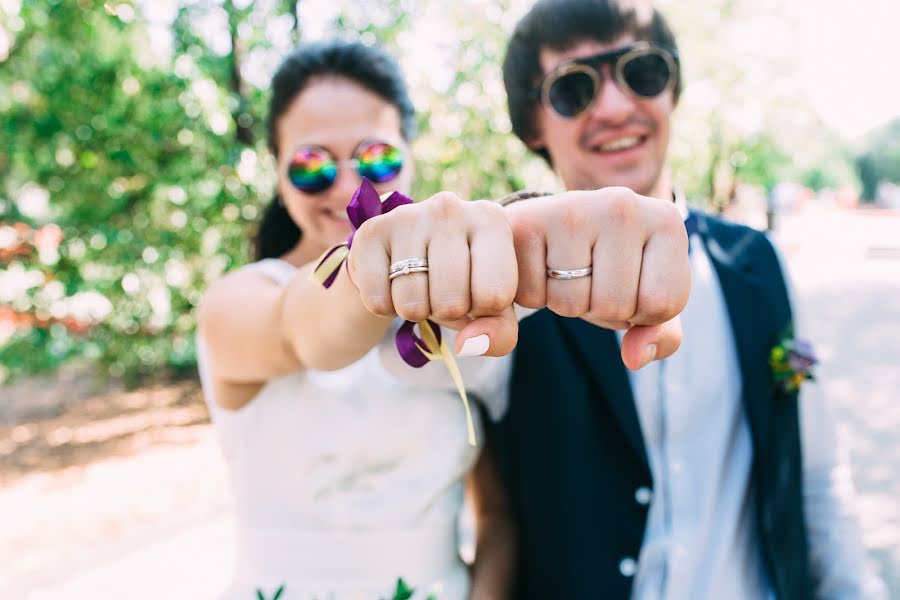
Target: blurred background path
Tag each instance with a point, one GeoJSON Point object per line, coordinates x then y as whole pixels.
{"type": "Point", "coordinates": [137, 504]}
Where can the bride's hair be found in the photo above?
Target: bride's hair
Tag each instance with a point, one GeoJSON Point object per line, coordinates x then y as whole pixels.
{"type": "Point", "coordinates": [370, 67]}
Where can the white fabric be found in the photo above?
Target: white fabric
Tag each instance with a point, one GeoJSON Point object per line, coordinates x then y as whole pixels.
{"type": "Point", "coordinates": [346, 480]}
{"type": "Point", "coordinates": [701, 540]}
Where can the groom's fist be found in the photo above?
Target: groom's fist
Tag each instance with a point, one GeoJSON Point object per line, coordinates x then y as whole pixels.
{"type": "Point", "coordinates": [636, 247]}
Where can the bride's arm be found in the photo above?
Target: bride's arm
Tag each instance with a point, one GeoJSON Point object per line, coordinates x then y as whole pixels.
{"type": "Point", "coordinates": [256, 329]}
{"type": "Point", "coordinates": [495, 538]}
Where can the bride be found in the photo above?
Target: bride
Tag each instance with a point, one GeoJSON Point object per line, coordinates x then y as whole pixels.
{"type": "Point", "coordinates": [348, 466]}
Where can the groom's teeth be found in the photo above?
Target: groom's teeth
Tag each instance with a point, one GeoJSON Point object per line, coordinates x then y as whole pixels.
{"type": "Point", "coordinates": [621, 144]}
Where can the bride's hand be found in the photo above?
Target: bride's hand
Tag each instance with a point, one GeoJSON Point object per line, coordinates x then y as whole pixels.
{"type": "Point", "coordinates": [471, 278]}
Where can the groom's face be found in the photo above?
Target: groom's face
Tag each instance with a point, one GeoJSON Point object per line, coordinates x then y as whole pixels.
{"type": "Point", "coordinates": [620, 141]}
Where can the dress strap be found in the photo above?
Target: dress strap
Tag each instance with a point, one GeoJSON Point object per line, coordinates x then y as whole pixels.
{"type": "Point", "coordinates": [279, 271]}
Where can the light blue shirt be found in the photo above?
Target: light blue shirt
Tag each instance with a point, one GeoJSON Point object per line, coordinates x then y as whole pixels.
{"type": "Point", "coordinates": [701, 536]}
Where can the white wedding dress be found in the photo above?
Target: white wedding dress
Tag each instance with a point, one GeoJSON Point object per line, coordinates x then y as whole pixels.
{"type": "Point", "coordinates": [344, 481]}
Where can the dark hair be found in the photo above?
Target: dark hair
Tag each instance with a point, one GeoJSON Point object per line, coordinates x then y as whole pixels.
{"type": "Point", "coordinates": [560, 25]}
{"type": "Point", "coordinates": [370, 67]}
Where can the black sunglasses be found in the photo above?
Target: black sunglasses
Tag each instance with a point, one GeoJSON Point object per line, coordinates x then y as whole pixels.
{"type": "Point", "coordinates": [643, 70]}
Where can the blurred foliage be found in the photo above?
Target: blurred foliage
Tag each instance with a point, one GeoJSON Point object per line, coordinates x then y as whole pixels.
{"type": "Point", "coordinates": [140, 134]}
{"type": "Point", "coordinates": [880, 161]}
{"type": "Point", "coordinates": [145, 177]}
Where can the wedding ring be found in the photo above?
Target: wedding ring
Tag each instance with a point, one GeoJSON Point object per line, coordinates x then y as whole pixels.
{"type": "Point", "coordinates": [407, 271]}
{"type": "Point", "coordinates": [407, 266]}
{"type": "Point", "coordinates": [566, 274]}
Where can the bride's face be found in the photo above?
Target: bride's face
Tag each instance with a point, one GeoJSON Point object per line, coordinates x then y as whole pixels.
{"type": "Point", "coordinates": [336, 119]}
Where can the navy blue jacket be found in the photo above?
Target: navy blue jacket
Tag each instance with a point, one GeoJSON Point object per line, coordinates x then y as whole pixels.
{"type": "Point", "coordinates": [572, 455]}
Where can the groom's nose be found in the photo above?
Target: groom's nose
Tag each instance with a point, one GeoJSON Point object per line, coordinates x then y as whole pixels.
{"type": "Point", "coordinates": [613, 104]}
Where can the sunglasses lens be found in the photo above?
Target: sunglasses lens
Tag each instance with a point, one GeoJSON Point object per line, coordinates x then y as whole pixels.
{"type": "Point", "coordinates": [380, 162]}
{"type": "Point", "coordinates": [312, 170]}
{"type": "Point", "coordinates": [647, 74]}
{"type": "Point", "coordinates": [571, 93]}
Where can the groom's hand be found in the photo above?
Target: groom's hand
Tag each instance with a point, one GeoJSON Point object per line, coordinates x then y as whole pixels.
{"type": "Point", "coordinates": [637, 248]}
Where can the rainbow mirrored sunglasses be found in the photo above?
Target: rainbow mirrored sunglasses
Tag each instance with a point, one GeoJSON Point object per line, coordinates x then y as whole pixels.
{"type": "Point", "coordinates": [314, 169]}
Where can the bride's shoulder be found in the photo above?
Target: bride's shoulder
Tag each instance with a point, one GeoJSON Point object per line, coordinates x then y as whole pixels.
{"type": "Point", "coordinates": [275, 269]}
{"type": "Point", "coordinates": [260, 274]}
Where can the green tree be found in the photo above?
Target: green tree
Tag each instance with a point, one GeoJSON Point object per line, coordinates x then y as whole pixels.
{"type": "Point", "coordinates": [150, 175]}
{"type": "Point", "coordinates": [880, 161]}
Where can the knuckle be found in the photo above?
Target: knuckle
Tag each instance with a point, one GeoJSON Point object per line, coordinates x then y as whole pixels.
{"type": "Point", "coordinates": [487, 211]}
{"type": "Point", "coordinates": [528, 237]}
{"type": "Point", "coordinates": [412, 310]}
{"type": "Point", "coordinates": [573, 217]}
{"type": "Point", "coordinates": [450, 308]}
{"type": "Point", "coordinates": [445, 205]}
{"type": "Point", "coordinates": [612, 309]}
{"type": "Point", "coordinates": [402, 215]}
{"type": "Point", "coordinates": [379, 305]}
{"type": "Point", "coordinates": [658, 308]}
{"type": "Point", "coordinates": [620, 204]}
{"type": "Point", "coordinates": [566, 306]}
{"type": "Point", "coordinates": [493, 301]}
{"type": "Point", "coordinates": [368, 230]}
{"type": "Point", "coordinates": [670, 220]}
{"type": "Point", "coordinates": [531, 298]}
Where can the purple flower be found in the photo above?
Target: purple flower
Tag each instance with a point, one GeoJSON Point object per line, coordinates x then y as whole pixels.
{"type": "Point", "coordinates": [801, 356]}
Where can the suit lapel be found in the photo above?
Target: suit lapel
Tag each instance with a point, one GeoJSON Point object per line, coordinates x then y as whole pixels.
{"type": "Point", "coordinates": [741, 287]}
{"type": "Point", "coordinates": [597, 350]}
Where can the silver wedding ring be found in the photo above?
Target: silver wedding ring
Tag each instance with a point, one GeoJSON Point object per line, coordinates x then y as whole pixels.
{"type": "Point", "coordinates": [566, 274]}
{"type": "Point", "coordinates": [407, 266]}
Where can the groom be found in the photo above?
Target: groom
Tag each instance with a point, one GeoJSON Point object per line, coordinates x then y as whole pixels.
{"type": "Point", "coordinates": [697, 476]}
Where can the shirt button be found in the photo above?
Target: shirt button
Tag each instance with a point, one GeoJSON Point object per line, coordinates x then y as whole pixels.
{"type": "Point", "coordinates": [677, 467]}
{"type": "Point", "coordinates": [627, 567]}
{"type": "Point", "coordinates": [643, 495]}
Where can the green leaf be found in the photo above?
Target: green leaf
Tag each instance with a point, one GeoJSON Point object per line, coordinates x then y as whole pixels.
{"type": "Point", "coordinates": [261, 596]}
{"type": "Point", "coordinates": [403, 591]}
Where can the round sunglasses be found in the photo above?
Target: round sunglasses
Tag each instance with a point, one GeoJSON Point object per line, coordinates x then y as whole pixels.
{"type": "Point", "coordinates": [314, 169]}
{"type": "Point", "coordinates": [643, 70]}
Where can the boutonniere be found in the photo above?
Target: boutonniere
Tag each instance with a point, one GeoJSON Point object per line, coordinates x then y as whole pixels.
{"type": "Point", "coordinates": [792, 360]}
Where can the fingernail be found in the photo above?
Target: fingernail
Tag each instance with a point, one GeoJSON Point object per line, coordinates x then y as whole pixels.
{"type": "Point", "coordinates": [649, 353]}
{"type": "Point", "coordinates": [475, 346]}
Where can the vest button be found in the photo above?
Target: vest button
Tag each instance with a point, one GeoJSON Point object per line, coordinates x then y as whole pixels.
{"type": "Point", "coordinates": [627, 567]}
{"type": "Point", "coordinates": [643, 495]}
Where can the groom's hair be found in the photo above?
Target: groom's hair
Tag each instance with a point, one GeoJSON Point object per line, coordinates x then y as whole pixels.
{"type": "Point", "coordinates": [560, 25]}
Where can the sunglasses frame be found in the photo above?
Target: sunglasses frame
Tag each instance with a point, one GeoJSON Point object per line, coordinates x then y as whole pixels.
{"type": "Point", "coordinates": [590, 65]}
{"type": "Point", "coordinates": [352, 161]}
